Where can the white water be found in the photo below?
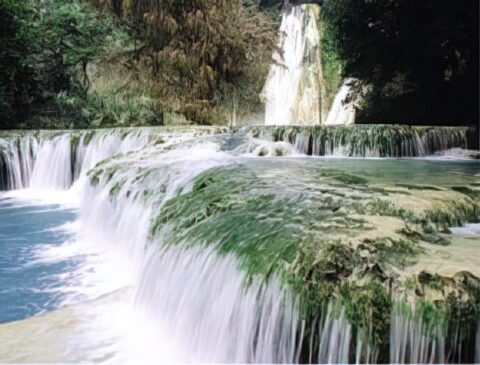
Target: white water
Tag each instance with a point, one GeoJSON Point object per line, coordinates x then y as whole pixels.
{"type": "Point", "coordinates": [293, 89]}
{"type": "Point", "coordinates": [54, 163]}
{"type": "Point", "coordinates": [183, 303]}
{"type": "Point", "coordinates": [411, 342]}
{"type": "Point", "coordinates": [194, 300]}
{"type": "Point", "coordinates": [342, 111]}
{"type": "Point", "coordinates": [173, 288]}
{"type": "Point", "coordinates": [199, 299]}
{"type": "Point", "coordinates": [19, 154]}
{"type": "Point", "coordinates": [468, 230]}
{"type": "Point", "coordinates": [437, 143]}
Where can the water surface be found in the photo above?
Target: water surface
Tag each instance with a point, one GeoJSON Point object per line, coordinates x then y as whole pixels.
{"type": "Point", "coordinates": [32, 279]}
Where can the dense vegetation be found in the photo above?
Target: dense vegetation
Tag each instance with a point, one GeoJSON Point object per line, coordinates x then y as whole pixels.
{"type": "Point", "coordinates": [120, 62]}
{"type": "Point", "coordinates": [417, 60]}
{"type": "Point", "coordinates": [46, 48]}
{"type": "Point", "coordinates": [95, 63]}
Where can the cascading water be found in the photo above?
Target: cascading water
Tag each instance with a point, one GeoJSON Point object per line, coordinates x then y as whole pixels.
{"type": "Point", "coordinates": [228, 322]}
{"type": "Point", "coordinates": [16, 161]}
{"type": "Point", "coordinates": [371, 140]}
{"type": "Point", "coordinates": [185, 301]}
{"type": "Point", "coordinates": [293, 91]}
{"type": "Point", "coordinates": [342, 111]}
{"type": "Point", "coordinates": [413, 344]}
{"type": "Point", "coordinates": [52, 169]}
{"type": "Point", "coordinates": [175, 285]}
{"type": "Point", "coordinates": [54, 161]}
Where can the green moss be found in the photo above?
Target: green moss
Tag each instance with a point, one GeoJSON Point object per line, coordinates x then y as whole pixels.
{"type": "Point", "coordinates": [292, 235]}
{"type": "Point", "coordinates": [87, 137]}
{"type": "Point", "coordinates": [303, 231]}
{"type": "Point", "coordinates": [377, 140]}
{"type": "Point", "coordinates": [115, 189]}
{"type": "Point", "coordinates": [332, 65]}
{"type": "Point", "coordinates": [456, 214]}
{"type": "Point", "coordinates": [471, 193]}
{"type": "Point", "coordinates": [351, 179]}
{"type": "Point", "coordinates": [419, 187]}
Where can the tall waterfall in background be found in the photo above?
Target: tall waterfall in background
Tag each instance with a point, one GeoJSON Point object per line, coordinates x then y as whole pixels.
{"type": "Point", "coordinates": [293, 91]}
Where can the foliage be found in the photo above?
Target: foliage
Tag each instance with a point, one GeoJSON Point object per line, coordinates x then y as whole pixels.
{"type": "Point", "coordinates": [208, 58]}
{"type": "Point", "coordinates": [14, 75]}
{"type": "Point", "coordinates": [332, 65]}
{"type": "Point", "coordinates": [308, 238]}
{"type": "Point", "coordinates": [417, 61]}
{"type": "Point", "coordinates": [49, 45]}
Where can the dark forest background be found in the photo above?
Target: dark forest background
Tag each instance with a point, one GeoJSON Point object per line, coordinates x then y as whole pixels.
{"type": "Point", "coordinates": [79, 63]}
{"type": "Point", "coordinates": [417, 59]}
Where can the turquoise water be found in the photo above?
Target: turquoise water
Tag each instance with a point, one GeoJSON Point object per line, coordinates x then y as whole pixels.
{"type": "Point", "coordinates": [439, 172]}
{"type": "Point", "coordinates": [129, 296]}
{"type": "Point", "coordinates": [32, 278]}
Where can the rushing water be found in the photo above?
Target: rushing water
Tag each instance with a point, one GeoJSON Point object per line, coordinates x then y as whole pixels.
{"type": "Point", "coordinates": [295, 92]}
{"type": "Point", "coordinates": [343, 110]}
{"type": "Point", "coordinates": [294, 88]}
{"type": "Point", "coordinates": [80, 267]}
{"type": "Point", "coordinates": [373, 140]}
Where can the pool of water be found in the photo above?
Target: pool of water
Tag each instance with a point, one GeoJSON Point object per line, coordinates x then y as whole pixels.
{"type": "Point", "coordinates": [87, 266]}
{"type": "Point", "coordinates": [33, 277]}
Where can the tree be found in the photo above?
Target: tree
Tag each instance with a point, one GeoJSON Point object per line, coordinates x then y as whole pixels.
{"type": "Point", "coordinates": [46, 47]}
{"type": "Point", "coordinates": [417, 59]}
{"type": "Point", "coordinates": [15, 89]}
{"type": "Point", "coordinates": [199, 48]}
{"type": "Point", "coordinates": [203, 54]}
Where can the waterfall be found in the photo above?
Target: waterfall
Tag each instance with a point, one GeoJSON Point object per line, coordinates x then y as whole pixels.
{"type": "Point", "coordinates": [335, 336]}
{"type": "Point", "coordinates": [197, 297]}
{"type": "Point", "coordinates": [369, 140]}
{"type": "Point", "coordinates": [193, 295]}
{"type": "Point", "coordinates": [420, 337]}
{"type": "Point", "coordinates": [293, 89]}
{"type": "Point", "coordinates": [342, 111]}
{"type": "Point", "coordinates": [200, 301]}
{"type": "Point", "coordinates": [52, 169]}
{"type": "Point", "coordinates": [17, 161]}
{"type": "Point", "coordinates": [412, 343]}
{"type": "Point", "coordinates": [54, 161]}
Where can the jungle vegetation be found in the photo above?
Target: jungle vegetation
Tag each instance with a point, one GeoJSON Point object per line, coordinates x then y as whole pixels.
{"type": "Point", "coordinates": [417, 61]}
{"type": "Point", "coordinates": [91, 63]}
{"type": "Point", "coordinates": [96, 63]}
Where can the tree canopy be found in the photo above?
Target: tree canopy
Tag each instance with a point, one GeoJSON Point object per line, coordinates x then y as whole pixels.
{"type": "Point", "coordinates": [417, 60]}
{"type": "Point", "coordinates": [203, 59]}
{"type": "Point", "coordinates": [46, 47]}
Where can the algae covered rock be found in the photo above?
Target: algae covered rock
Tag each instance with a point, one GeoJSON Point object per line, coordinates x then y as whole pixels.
{"type": "Point", "coordinates": [349, 238]}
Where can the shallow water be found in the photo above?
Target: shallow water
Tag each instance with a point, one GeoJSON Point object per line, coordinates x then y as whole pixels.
{"type": "Point", "coordinates": [31, 282]}
{"type": "Point", "coordinates": [83, 257]}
